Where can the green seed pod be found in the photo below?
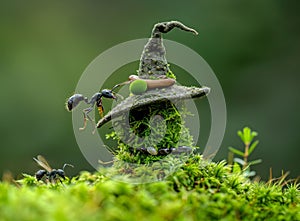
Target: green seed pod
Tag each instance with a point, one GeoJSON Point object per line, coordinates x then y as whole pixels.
{"type": "Point", "coordinates": [138, 86]}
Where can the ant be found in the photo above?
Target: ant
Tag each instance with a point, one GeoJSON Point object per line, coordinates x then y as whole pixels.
{"type": "Point", "coordinates": [51, 174]}
{"type": "Point", "coordinates": [75, 99]}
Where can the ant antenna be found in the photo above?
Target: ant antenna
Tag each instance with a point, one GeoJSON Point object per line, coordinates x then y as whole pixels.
{"type": "Point", "coordinates": [66, 164]}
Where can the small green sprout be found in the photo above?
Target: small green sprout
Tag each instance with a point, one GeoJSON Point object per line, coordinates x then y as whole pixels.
{"type": "Point", "coordinates": [247, 136]}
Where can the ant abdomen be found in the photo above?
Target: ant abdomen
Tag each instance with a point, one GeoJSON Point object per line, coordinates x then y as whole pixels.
{"type": "Point", "coordinates": [40, 174]}
{"type": "Point", "coordinates": [74, 100]}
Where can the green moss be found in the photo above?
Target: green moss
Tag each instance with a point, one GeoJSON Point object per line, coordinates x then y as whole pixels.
{"type": "Point", "coordinates": [160, 126]}
{"type": "Point", "coordinates": [198, 190]}
{"type": "Point", "coordinates": [171, 75]}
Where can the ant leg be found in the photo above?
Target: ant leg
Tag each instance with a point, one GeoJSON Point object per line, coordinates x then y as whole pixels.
{"type": "Point", "coordinates": [86, 117]}
{"type": "Point", "coordinates": [61, 182]}
{"type": "Point", "coordinates": [106, 162]}
{"type": "Point", "coordinates": [50, 179]}
{"type": "Point", "coordinates": [84, 122]}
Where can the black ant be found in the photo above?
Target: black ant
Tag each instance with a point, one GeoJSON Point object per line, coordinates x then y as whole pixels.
{"type": "Point", "coordinates": [51, 174]}
{"type": "Point", "coordinates": [75, 99]}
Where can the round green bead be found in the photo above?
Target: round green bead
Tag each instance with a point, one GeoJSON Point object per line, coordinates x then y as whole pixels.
{"type": "Point", "coordinates": [138, 86]}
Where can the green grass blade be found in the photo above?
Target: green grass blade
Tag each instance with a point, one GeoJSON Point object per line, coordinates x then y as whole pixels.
{"type": "Point", "coordinates": [238, 152]}
{"type": "Point", "coordinates": [253, 146]}
{"type": "Point", "coordinates": [255, 162]}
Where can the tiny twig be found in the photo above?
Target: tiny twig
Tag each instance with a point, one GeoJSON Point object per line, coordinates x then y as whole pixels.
{"type": "Point", "coordinates": [271, 174]}
{"type": "Point", "coordinates": [107, 162]}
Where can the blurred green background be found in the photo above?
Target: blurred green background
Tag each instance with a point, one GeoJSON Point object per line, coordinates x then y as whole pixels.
{"type": "Point", "coordinates": [253, 47]}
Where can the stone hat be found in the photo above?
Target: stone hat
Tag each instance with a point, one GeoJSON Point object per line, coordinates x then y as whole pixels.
{"type": "Point", "coordinates": [153, 65]}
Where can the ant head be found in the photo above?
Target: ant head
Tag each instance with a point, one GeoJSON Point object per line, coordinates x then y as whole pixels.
{"type": "Point", "coordinates": [60, 172]}
{"type": "Point", "coordinates": [108, 94]}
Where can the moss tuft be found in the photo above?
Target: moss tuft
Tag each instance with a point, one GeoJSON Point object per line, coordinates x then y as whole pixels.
{"type": "Point", "coordinates": [198, 190]}
{"type": "Point", "coordinates": [160, 126]}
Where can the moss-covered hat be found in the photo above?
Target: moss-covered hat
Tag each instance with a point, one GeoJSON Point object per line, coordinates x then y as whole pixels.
{"type": "Point", "coordinates": [155, 69]}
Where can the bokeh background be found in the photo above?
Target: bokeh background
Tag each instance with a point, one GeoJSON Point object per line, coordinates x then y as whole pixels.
{"type": "Point", "coordinates": [253, 47]}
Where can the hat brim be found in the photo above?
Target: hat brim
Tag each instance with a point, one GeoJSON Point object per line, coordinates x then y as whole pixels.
{"type": "Point", "coordinates": [172, 93]}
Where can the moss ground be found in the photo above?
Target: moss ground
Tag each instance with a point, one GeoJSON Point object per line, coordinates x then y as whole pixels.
{"type": "Point", "coordinates": [198, 190]}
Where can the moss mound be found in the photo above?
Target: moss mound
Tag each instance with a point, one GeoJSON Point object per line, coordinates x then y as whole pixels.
{"type": "Point", "coordinates": [159, 126]}
{"type": "Point", "coordinates": [198, 190]}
